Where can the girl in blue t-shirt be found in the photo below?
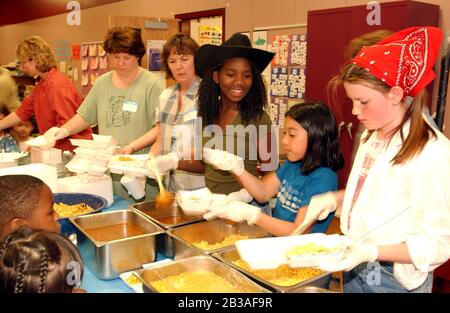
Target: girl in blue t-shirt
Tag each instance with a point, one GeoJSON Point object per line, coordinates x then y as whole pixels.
{"type": "Point", "coordinates": [310, 141]}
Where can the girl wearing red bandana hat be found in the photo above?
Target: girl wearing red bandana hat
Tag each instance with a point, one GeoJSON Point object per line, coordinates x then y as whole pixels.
{"type": "Point", "coordinates": [396, 206]}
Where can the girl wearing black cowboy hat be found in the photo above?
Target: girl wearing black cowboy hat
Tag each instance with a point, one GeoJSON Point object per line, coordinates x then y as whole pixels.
{"type": "Point", "coordinates": [232, 95]}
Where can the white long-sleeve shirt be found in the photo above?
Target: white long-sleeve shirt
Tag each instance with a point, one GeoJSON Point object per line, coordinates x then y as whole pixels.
{"type": "Point", "coordinates": [404, 203]}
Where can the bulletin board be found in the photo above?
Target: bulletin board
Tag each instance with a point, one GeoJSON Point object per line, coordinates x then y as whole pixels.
{"type": "Point", "coordinates": [94, 63]}
{"type": "Point", "coordinates": [286, 75]}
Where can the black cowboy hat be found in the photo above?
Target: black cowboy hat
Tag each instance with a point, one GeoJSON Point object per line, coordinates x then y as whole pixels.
{"type": "Point", "coordinates": [238, 46]}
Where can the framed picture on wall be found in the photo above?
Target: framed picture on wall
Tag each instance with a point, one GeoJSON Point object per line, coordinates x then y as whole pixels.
{"type": "Point", "coordinates": [154, 57]}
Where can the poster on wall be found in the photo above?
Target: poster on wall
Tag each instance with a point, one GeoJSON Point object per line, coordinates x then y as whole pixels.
{"type": "Point", "coordinates": [154, 54]}
{"type": "Point", "coordinates": [260, 40]}
{"type": "Point", "coordinates": [288, 75]}
{"type": "Point", "coordinates": [210, 35]}
{"type": "Point", "coordinates": [298, 50]}
{"type": "Point", "coordinates": [94, 63]}
{"type": "Point", "coordinates": [280, 46]}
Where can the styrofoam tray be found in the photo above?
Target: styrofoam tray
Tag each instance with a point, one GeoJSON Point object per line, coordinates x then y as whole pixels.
{"type": "Point", "coordinates": [89, 143]}
{"type": "Point", "coordinates": [269, 253]}
{"type": "Point", "coordinates": [136, 165]}
{"type": "Point", "coordinates": [11, 156]}
{"type": "Point", "coordinates": [80, 165]}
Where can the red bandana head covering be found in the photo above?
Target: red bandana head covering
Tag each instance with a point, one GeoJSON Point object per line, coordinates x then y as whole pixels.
{"type": "Point", "coordinates": [404, 59]}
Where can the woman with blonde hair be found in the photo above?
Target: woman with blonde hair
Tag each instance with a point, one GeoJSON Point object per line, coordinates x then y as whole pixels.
{"type": "Point", "coordinates": [54, 99]}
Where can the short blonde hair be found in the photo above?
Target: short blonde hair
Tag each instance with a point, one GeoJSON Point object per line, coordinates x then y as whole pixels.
{"type": "Point", "coordinates": [37, 49]}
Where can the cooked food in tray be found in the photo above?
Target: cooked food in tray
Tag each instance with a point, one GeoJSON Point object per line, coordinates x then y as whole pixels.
{"type": "Point", "coordinates": [227, 241]}
{"type": "Point", "coordinates": [196, 281]}
{"type": "Point", "coordinates": [115, 232]}
{"type": "Point", "coordinates": [283, 275]}
{"type": "Point", "coordinates": [65, 210]}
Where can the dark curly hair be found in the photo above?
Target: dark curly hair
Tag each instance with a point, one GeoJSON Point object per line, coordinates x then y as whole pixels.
{"type": "Point", "coordinates": [38, 261]}
{"type": "Point", "coordinates": [323, 142]}
{"type": "Point", "coordinates": [250, 107]}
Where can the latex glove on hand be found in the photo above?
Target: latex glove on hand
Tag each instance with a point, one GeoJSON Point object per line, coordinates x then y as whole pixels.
{"type": "Point", "coordinates": [224, 160]}
{"type": "Point", "coordinates": [356, 254]}
{"type": "Point", "coordinates": [164, 163]}
{"type": "Point", "coordinates": [236, 211]}
{"type": "Point", "coordinates": [241, 195]}
{"type": "Point", "coordinates": [320, 206]}
{"type": "Point", "coordinates": [56, 133]}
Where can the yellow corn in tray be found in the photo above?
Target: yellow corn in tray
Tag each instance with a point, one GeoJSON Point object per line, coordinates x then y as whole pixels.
{"type": "Point", "coordinates": [283, 275]}
{"type": "Point", "coordinates": [124, 158]}
{"type": "Point", "coordinates": [195, 281]}
{"type": "Point", "coordinates": [309, 248]}
{"type": "Point", "coordinates": [133, 280]}
{"type": "Point", "coordinates": [228, 240]}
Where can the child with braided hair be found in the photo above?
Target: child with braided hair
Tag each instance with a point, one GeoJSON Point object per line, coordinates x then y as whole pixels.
{"type": "Point", "coordinates": [38, 261]}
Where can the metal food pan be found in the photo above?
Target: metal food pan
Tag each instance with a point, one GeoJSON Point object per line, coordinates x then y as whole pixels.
{"type": "Point", "coordinates": [107, 259]}
{"type": "Point", "coordinates": [213, 232]}
{"type": "Point", "coordinates": [166, 218]}
{"type": "Point", "coordinates": [202, 262]}
{"type": "Point", "coordinates": [230, 255]}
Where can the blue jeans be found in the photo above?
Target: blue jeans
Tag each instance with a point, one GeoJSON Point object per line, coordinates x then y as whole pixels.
{"type": "Point", "coordinates": [379, 277]}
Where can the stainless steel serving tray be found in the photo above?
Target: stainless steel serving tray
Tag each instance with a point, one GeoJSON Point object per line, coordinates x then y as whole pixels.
{"type": "Point", "coordinates": [230, 255]}
{"type": "Point", "coordinates": [107, 259]}
{"type": "Point", "coordinates": [212, 232]}
{"type": "Point", "coordinates": [167, 218]}
{"type": "Point", "coordinates": [202, 262]}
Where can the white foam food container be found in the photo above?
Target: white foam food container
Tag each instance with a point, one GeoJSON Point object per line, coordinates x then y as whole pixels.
{"type": "Point", "coordinates": [40, 142]}
{"type": "Point", "coordinates": [94, 185]}
{"type": "Point", "coordinates": [97, 142]}
{"type": "Point", "coordinates": [133, 164]}
{"type": "Point", "coordinates": [80, 165]}
{"type": "Point", "coordinates": [11, 156]}
{"type": "Point", "coordinates": [46, 173]}
{"type": "Point", "coordinates": [269, 253]}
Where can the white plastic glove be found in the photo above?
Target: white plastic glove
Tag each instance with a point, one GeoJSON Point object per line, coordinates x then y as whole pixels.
{"type": "Point", "coordinates": [56, 133]}
{"type": "Point", "coordinates": [236, 211]}
{"type": "Point", "coordinates": [320, 206]}
{"type": "Point", "coordinates": [164, 163]}
{"type": "Point", "coordinates": [241, 195]}
{"type": "Point", "coordinates": [356, 254]}
{"type": "Point", "coordinates": [224, 160]}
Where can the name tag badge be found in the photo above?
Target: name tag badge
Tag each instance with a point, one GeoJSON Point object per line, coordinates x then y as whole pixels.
{"type": "Point", "coordinates": [130, 106]}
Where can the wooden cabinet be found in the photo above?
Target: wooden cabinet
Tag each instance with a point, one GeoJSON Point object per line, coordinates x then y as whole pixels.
{"type": "Point", "coordinates": [329, 32]}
